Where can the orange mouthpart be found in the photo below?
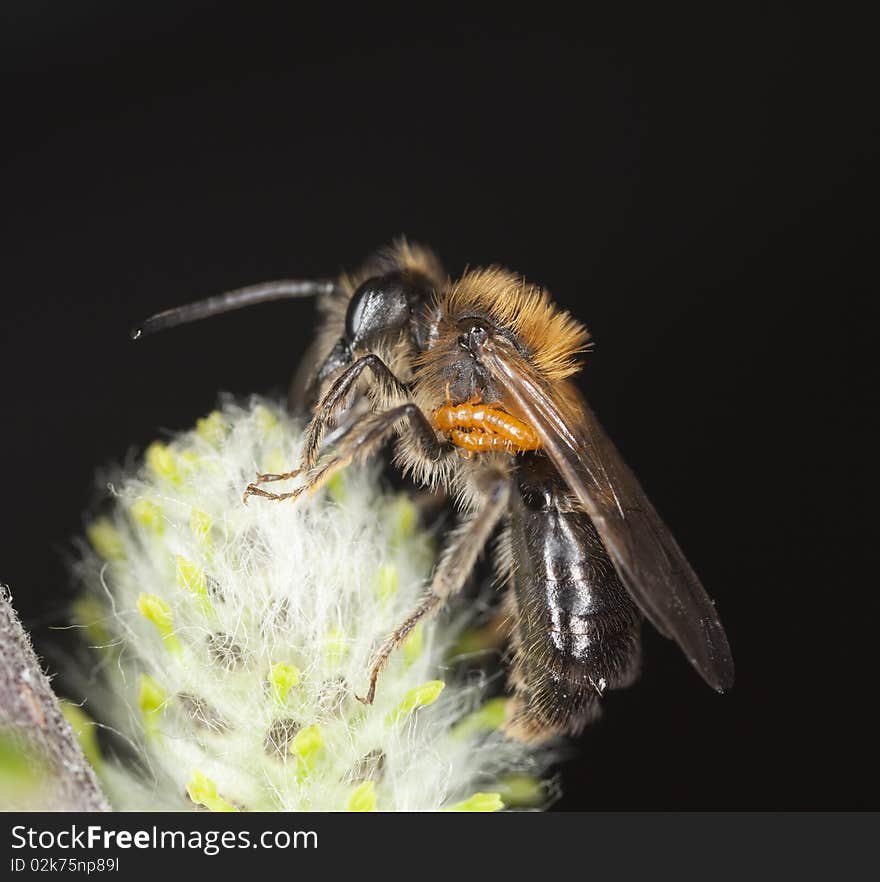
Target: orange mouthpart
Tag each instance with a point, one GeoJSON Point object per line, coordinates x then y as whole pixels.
{"type": "Point", "coordinates": [482, 427]}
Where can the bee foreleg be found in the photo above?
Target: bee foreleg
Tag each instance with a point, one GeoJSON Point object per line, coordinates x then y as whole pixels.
{"type": "Point", "coordinates": [364, 438]}
{"type": "Point", "coordinates": [336, 396]}
{"type": "Point", "coordinates": [456, 563]}
{"type": "Point", "coordinates": [254, 490]}
{"type": "Point", "coordinates": [332, 402]}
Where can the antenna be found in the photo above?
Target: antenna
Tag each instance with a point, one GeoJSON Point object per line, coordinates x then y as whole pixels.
{"type": "Point", "coordinates": [282, 289]}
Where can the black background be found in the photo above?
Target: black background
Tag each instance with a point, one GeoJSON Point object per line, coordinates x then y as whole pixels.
{"type": "Point", "coordinates": [695, 190]}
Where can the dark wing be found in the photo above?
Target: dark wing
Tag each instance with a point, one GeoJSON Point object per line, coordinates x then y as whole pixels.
{"type": "Point", "coordinates": [646, 556]}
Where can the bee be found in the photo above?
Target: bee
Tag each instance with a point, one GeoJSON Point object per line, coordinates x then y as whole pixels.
{"type": "Point", "coordinates": [473, 378]}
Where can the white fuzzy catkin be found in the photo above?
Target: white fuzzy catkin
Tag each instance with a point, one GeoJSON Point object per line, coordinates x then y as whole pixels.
{"type": "Point", "coordinates": [233, 637]}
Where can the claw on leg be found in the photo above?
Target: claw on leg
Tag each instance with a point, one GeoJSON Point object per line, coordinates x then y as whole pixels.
{"type": "Point", "coordinates": [254, 490]}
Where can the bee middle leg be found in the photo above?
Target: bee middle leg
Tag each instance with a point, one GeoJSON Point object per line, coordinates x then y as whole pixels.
{"type": "Point", "coordinates": [456, 563]}
{"type": "Point", "coordinates": [330, 404]}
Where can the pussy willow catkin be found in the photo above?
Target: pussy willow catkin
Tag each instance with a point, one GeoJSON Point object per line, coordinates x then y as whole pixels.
{"type": "Point", "coordinates": [228, 642]}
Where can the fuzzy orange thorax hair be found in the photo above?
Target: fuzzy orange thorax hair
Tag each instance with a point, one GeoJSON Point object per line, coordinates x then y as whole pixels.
{"type": "Point", "coordinates": [552, 337]}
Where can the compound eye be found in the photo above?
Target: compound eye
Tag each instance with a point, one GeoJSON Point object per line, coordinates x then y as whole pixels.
{"type": "Point", "coordinates": [361, 305]}
{"type": "Point", "coordinates": [379, 306]}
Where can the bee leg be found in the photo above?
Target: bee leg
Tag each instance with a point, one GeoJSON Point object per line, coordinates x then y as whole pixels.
{"type": "Point", "coordinates": [456, 563]}
{"type": "Point", "coordinates": [333, 401]}
{"type": "Point", "coordinates": [269, 477]}
{"type": "Point", "coordinates": [254, 490]}
{"type": "Point", "coordinates": [335, 398]}
{"type": "Point", "coordinates": [369, 434]}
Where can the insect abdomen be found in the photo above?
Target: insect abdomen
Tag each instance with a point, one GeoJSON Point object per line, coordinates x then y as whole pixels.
{"type": "Point", "coordinates": [576, 628]}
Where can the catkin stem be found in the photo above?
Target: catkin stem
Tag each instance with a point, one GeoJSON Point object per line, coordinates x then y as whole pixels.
{"type": "Point", "coordinates": [31, 715]}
